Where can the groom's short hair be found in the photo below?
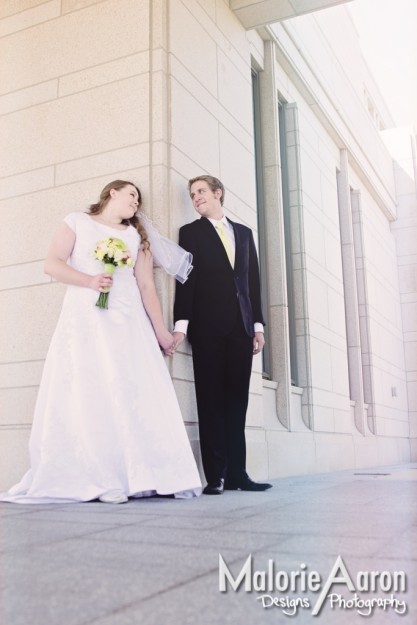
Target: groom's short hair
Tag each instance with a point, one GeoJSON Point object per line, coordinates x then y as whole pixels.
{"type": "Point", "coordinates": [213, 183]}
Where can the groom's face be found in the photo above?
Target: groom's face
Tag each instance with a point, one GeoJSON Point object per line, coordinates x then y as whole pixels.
{"type": "Point", "coordinates": [205, 201]}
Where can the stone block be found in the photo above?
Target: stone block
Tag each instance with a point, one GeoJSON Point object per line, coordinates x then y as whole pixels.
{"type": "Point", "coordinates": [343, 421]}
{"type": "Point", "coordinates": [17, 405]}
{"type": "Point", "coordinates": [227, 33]}
{"type": "Point", "coordinates": [314, 237]}
{"type": "Point", "coordinates": [396, 428]}
{"type": "Point", "coordinates": [182, 367]}
{"type": "Point", "coordinates": [366, 451]}
{"type": "Point", "coordinates": [197, 88]}
{"type": "Point", "coordinates": [14, 457]}
{"type": "Point", "coordinates": [186, 130]}
{"type": "Point", "coordinates": [257, 459]}
{"type": "Point", "coordinates": [321, 364]}
{"type": "Point", "coordinates": [310, 176]}
{"type": "Point", "coordinates": [31, 96]}
{"type": "Point", "coordinates": [407, 208]}
{"type": "Point", "coordinates": [409, 315]}
{"type": "Point", "coordinates": [102, 164]}
{"type": "Point", "coordinates": [240, 210]}
{"type": "Point", "coordinates": [412, 398]}
{"type": "Point", "coordinates": [254, 415]}
{"type": "Point", "coordinates": [186, 399]}
{"type": "Point", "coordinates": [234, 36]}
{"type": "Point", "coordinates": [404, 181]}
{"type": "Point", "coordinates": [256, 48]}
{"type": "Point", "coordinates": [413, 448]}
{"type": "Point", "coordinates": [73, 127]}
{"type": "Point", "coordinates": [407, 279]}
{"type": "Point", "coordinates": [333, 254]}
{"type": "Point", "coordinates": [235, 91]}
{"type": "Point", "coordinates": [308, 133]}
{"type": "Point", "coordinates": [323, 419]}
{"type": "Point", "coordinates": [336, 308]}
{"type": "Point", "coordinates": [202, 63]}
{"type": "Point", "coordinates": [17, 276]}
{"type": "Point", "coordinates": [30, 181]}
{"type": "Point", "coordinates": [112, 71]}
{"type": "Point", "coordinates": [159, 117]}
{"type": "Point", "coordinates": [30, 18]}
{"type": "Point", "coordinates": [340, 373]}
{"type": "Point", "coordinates": [410, 356]}
{"type": "Point", "coordinates": [75, 5]}
{"type": "Point", "coordinates": [334, 452]}
{"type": "Point", "coordinates": [11, 7]}
{"type": "Point", "coordinates": [317, 300]}
{"type": "Point", "coordinates": [290, 453]}
{"type": "Point", "coordinates": [29, 338]}
{"type": "Point", "coordinates": [18, 374]}
{"type": "Point", "coordinates": [330, 399]}
{"type": "Point", "coordinates": [393, 450]}
{"type": "Point", "coordinates": [329, 201]}
{"type": "Point", "coordinates": [405, 242]}
{"type": "Point", "coordinates": [66, 45]}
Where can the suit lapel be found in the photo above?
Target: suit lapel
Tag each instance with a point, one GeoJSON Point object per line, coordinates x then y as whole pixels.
{"type": "Point", "coordinates": [209, 232]}
{"type": "Point", "coordinates": [238, 242]}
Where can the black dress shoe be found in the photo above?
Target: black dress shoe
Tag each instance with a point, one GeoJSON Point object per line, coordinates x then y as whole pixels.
{"type": "Point", "coordinates": [247, 484]}
{"type": "Point", "coordinates": [214, 488]}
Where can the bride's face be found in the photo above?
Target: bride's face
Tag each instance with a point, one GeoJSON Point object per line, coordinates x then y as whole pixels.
{"type": "Point", "coordinates": [125, 201]}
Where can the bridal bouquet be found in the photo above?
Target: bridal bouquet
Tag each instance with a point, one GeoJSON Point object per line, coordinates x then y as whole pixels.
{"type": "Point", "coordinates": [113, 253]}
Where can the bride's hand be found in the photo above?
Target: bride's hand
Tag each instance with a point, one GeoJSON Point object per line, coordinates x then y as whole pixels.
{"type": "Point", "coordinates": [166, 341]}
{"type": "Point", "coordinates": [102, 282]}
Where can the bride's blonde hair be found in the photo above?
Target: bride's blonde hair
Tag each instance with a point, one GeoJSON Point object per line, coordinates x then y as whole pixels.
{"type": "Point", "coordinates": [96, 209]}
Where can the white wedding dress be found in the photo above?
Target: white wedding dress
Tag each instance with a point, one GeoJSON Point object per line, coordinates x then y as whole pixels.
{"type": "Point", "coordinates": [106, 417]}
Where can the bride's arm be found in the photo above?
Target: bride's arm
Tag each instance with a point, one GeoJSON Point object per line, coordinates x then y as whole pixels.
{"type": "Point", "coordinates": [146, 284]}
{"type": "Point", "coordinates": [56, 266]}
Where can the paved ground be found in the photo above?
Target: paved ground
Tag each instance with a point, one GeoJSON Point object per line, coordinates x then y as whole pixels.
{"type": "Point", "coordinates": [156, 561]}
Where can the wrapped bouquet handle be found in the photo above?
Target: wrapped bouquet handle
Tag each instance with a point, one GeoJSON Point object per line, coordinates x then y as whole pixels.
{"type": "Point", "coordinates": [166, 253]}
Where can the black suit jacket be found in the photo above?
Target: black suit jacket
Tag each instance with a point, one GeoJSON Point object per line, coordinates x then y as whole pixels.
{"type": "Point", "coordinates": [215, 292]}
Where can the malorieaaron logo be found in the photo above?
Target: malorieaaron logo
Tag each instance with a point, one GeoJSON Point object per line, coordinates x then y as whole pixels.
{"type": "Point", "coordinates": [302, 581]}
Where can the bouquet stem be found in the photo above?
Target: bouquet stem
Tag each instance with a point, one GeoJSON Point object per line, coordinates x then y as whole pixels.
{"type": "Point", "coordinates": [103, 299]}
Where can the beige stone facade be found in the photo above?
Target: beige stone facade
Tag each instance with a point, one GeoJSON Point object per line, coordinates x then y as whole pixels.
{"type": "Point", "coordinates": [159, 91]}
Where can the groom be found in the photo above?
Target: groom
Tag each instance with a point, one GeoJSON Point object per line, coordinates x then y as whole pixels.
{"type": "Point", "coordinates": [219, 307]}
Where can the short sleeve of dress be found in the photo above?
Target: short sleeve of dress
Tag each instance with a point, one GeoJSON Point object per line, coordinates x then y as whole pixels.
{"type": "Point", "coordinates": [71, 220]}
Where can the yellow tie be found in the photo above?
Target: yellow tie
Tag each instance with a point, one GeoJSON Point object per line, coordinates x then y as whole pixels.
{"type": "Point", "coordinates": [225, 240]}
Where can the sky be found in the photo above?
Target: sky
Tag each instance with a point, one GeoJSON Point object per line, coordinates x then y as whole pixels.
{"type": "Point", "coordinates": [388, 37]}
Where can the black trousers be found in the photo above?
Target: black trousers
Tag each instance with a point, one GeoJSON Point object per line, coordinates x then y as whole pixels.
{"type": "Point", "coordinates": [222, 369]}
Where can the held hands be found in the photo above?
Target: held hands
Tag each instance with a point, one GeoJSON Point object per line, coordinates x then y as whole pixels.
{"type": "Point", "coordinates": [102, 282]}
{"type": "Point", "coordinates": [258, 342]}
{"type": "Point", "coordinates": [166, 341]}
{"type": "Point", "coordinates": [178, 338]}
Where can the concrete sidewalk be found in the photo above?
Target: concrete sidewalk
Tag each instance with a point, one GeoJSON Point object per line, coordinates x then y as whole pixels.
{"type": "Point", "coordinates": [156, 561]}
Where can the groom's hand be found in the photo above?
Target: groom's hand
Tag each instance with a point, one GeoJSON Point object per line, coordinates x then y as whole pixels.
{"type": "Point", "coordinates": [258, 342]}
{"type": "Point", "coordinates": [178, 339]}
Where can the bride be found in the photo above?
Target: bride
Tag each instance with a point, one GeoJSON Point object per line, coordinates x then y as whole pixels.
{"type": "Point", "coordinates": [107, 424]}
